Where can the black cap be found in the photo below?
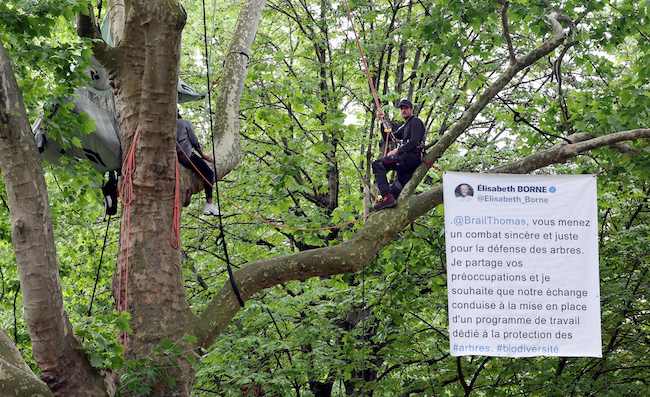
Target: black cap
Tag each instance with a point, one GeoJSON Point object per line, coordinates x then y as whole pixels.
{"type": "Point", "coordinates": [405, 103]}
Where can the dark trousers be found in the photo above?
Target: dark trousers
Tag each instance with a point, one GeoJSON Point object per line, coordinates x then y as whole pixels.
{"type": "Point", "coordinates": [404, 165]}
{"type": "Point", "coordinates": [110, 193]}
{"type": "Point", "coordinates": [203, 168]}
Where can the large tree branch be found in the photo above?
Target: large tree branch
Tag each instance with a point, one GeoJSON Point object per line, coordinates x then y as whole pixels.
{"type": "Point", "coordinates": [87, 27]}
{"type": "Point", "coordinates": [621, 147]}
{"type": "Point", "coordinates": [227, 149]}
{"type": "Point", "coordinates": [116, 14]}
{"type": "Point", "coordinates": [468, 116]}
{"type": "Point", "coordinates": [17, 379]}
{"type": "Point", "coordinates": [581, 143]}
{"type": "Point", "coordinates": [380, 229]}
{"type": "Point", "coordinates": [54, 345]}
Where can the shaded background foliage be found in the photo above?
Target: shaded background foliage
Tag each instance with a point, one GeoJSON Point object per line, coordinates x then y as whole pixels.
{"type": "Point", "coordinates": [309, 133]}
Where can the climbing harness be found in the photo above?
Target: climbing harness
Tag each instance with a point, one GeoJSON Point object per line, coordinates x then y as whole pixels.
{"type": "Point", "coordinates": [373, 90]}
{"type": "Point", "coordinates": [222, 235]}
{"type": "Point", "coordinates": [205, 179]}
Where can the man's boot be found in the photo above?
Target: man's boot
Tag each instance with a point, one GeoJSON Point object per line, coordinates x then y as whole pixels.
{"type": "Point", "coordinates": [387, 201]}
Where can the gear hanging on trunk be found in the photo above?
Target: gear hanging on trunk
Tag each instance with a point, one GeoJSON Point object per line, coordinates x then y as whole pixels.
{"type": "Point", "coordinates": [110, 191]}
{"type": "Point", "coordinates": [222, 236]}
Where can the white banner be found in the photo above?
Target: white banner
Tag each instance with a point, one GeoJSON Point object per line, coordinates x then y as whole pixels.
{"type": "Point", "coordinates": [522, 265]}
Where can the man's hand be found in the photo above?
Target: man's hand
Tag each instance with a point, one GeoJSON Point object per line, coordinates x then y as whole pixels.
{"type": "Point", "coordinates": [392, 153]}
{"type": "Point", "coordinates": [207, 157]}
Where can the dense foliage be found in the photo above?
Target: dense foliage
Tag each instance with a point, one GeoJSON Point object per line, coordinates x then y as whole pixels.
{"type": "Point", "coordinates": [309, 132]}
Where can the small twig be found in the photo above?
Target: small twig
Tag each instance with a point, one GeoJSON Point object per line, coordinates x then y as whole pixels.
{"type": "Point", "coordinates": [506, 30]}
{"type": "Point", "coordinates": [277, 329]}
{"type": "Point", "coordinates": [517, 118]}
{"type": "Point", "coordinates": [2, 275]}
{"type": "Point", "coordinates": [461, 376]}
{"type": "Point", "coordinates": [478, 371]}
{"type": "Point", "coordinates": [636, 213]}
{"type": "Point", "coordinates": [603, 225]}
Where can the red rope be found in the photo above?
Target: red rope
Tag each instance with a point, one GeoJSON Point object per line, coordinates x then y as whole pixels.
{"type": "Point", "coordinates": [364, 64]}
{"type": "Point", "coordinates": [127, 196]}
{"type": "Point", "coordinates": [176, 216]}
{"type": "Point", "coordinates": [194, 166]}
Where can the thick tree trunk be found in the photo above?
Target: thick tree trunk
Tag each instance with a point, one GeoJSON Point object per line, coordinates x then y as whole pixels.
{"type": "Point", "coordinates": [145, 90]}
{"type": "Point", "coordinates": [145, 72]}
{"type": "Point", "coordinates": [55, 348]}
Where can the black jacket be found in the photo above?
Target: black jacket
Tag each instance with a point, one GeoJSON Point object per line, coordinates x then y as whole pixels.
{"type": "Point", "coordinates": [411, 133]}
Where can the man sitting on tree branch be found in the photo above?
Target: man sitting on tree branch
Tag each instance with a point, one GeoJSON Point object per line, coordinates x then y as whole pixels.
{"type": "Point", "coordinates": [404, 159]}
{"type": "Point", "coordinates": [186, 145]}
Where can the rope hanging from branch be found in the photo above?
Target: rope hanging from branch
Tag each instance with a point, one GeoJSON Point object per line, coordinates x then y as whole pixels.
{"type": "Point", "coordinates": [127, 196]}
{"type": "Point", "coordinates": [99, 268]}
{"type": "Point", "coordinates": [222, 235]}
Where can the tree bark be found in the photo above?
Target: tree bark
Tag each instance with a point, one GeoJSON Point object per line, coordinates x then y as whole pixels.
{"type": "Point", "coordinates": [17, 379]}
{"type": "Point", "coordinates": [56, 350]}
{"type": "Point", "coordinates": [145, 85]}
{"type": "Point", "coordinates": [227, 149]}
{"type": "Point", "coordinates": [116, 16]}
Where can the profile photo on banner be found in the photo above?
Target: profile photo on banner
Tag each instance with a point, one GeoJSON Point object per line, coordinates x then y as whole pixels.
{"type": "Point", "coordinates": [464, 190]}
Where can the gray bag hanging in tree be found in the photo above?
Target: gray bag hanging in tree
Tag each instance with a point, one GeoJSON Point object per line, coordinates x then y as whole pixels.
{"type": "Point", "coordinates": [102, 146]}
